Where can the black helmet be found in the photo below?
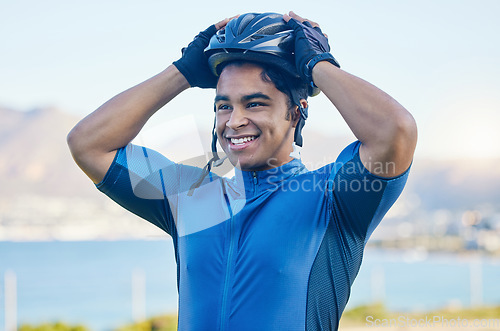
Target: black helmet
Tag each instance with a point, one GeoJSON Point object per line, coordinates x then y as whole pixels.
{"type": "Point", "coordinates": [264, 38]}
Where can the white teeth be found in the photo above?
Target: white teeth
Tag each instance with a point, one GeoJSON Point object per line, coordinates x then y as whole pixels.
{"type": "Point", "coordinates": [239, 141]}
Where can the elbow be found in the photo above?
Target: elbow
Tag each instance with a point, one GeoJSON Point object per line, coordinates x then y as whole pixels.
{"type": "Point", "coordinates": [407, 133]}
{"type": "Point", "coordinates": [71, 140]}
{"type": "Point", "coordinates": [396, 143]}
{"type": "Point", "coordinates": [398, 138]}
{"type": "Point", "coordinates": [75, 142]}
{"type": "Point", "coordinates": [401, 141]}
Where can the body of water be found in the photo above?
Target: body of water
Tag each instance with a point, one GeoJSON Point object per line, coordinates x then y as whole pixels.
{"type": "Point", "coordinates": [91, 282]}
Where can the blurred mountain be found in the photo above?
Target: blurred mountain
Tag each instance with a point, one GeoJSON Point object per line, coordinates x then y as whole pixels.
{"type": "Point", "coordinates": [34, 157]}
{"type": "Point", "coordinates": [35, 160]}
{"type": "Point", "coordinates": [456, 184]}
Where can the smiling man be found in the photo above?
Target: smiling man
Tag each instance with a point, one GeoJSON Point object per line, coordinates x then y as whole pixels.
{"type": "Point", "coordinates": [277, 247]}
{"type": "Point", "coordinates": [254, 124]}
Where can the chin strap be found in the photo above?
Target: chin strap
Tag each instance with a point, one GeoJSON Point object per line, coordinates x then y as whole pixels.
{"type": "Point", "coordinates": [215, 160]}
{"type": "Point", "coordinates": [297, 137]}
{"type": "Point", "coordinates": [296, 151]}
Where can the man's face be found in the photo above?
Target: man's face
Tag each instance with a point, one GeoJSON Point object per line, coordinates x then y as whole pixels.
{"type": "Point", "coordinates": [252, 125]}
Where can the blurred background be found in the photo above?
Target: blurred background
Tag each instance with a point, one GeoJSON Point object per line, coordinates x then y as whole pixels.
{"type": "Point", "coordinates": [69, 254]}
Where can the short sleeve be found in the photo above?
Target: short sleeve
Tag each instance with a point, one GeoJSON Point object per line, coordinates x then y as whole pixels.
{"type": "Point", "coordinates": [359, 198]}
{"type": "Point", "coordinates": [135, 180]}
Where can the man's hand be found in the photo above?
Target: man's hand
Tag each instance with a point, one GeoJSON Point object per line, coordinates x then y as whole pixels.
{"type": "Point", "coordinates": [193, 64]}
{"type": "Point", "coordinates": [311, 45]}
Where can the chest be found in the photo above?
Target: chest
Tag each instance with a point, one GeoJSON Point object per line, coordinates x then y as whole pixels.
{"type": "Point", "coordinates": [277, 232]}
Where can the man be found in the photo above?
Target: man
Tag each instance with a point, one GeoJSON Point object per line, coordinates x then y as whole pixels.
{"type": "Point", "coordinates": [277, 247]}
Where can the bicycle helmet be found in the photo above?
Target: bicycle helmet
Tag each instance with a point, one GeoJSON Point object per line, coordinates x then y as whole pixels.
{"type": "Point", "coordinates": [264, 38]}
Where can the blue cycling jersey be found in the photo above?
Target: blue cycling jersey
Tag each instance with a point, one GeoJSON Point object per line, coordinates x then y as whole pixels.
{"type": "Point", "coordinates": [268, 250]}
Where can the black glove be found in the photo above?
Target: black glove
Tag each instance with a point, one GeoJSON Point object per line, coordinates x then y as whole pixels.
{"type": "Point", "coordinates": [194, 64]}
{"type": "Point", "coordinates": [311, 46]}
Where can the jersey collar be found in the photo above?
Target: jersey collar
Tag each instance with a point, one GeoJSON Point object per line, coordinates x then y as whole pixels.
{"type": "Point", "coordinates": [259, 181]}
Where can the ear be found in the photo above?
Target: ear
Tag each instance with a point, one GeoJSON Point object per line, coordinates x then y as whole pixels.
{"type": "Point", "coordinates": [296, 112]}
{"type": "Point", "coordinates": [304, 103]}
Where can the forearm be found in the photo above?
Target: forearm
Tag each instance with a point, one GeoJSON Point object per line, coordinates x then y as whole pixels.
{"type": "Point", "coordinates": [385, 128]}
{"type": "Point", "coordinates": [118, 121]}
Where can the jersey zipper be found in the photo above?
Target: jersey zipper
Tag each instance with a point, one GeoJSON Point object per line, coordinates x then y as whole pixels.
{"type": "Point", "coordinates": [227, 278]}
{"type": "Point", "coordinates": [223, 319]}
{"type": "Point", "coordinates": [255, 182]}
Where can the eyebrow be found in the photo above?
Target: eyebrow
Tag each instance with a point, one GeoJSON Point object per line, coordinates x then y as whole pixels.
{"type": "Point", "coordinates": [220, 98]}
{"type": "Point", "coordinates": [258, 95]}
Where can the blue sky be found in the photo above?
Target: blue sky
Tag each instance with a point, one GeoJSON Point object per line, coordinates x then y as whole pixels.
{"type": "Point", "coordinates": [437, 58]}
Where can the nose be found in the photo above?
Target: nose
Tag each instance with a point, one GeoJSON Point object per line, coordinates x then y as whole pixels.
{"type": "Point", "coordinates": [237, 119]}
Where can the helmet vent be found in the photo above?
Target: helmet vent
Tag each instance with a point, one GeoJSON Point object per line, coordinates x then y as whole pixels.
{"type": "Point", "coordinates": [221, 36]}
{"type": "Point", "coordinates": [252, 38]}
{"type": "Point", "coordinates": [271, 29]}
{"type": "Point", "coordinates": [245, 20]}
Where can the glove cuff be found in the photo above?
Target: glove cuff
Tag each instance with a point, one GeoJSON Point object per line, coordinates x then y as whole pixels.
{"type": "Point", "coordinates": [318, 58]}
{"type": "Point", "coordinates": [184, 71]}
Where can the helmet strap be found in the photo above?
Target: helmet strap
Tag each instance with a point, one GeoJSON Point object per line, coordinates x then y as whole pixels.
{"type": "Point", "coordinates": [215, 160]}
{"type": "Point", "coordinates": [296, 151]}
{"type": "Point", "coordinates": [297, 138]}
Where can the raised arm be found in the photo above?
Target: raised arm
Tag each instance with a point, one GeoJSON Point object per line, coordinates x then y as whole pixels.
{"type": "Point", "coordinates": [95, 139]}
{"type": "Point", "coordinates": [386, 129]}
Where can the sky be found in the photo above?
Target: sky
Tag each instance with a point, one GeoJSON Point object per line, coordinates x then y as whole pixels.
{"type": "Point", "coordinates": [438, 58]}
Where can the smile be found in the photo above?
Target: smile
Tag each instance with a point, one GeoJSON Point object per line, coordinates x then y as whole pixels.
{"type": "Point", "coordinates": [241, 141]}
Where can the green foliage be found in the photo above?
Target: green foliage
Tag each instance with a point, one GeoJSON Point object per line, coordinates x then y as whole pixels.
{"type": "Point", "coordinates": [352, 317]}
{"type": "Point", "coordinates": [159, 323]}
{"type": "Point", "coordinates": [57, 326]}
{"type": "Point", "coordinates": [357, 315]}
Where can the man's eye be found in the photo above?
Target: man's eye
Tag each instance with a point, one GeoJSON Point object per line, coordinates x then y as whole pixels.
{"type": "Point", "coordinates": [223, 107]}
{"type": "Point", "coordinates": [254, 104]}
